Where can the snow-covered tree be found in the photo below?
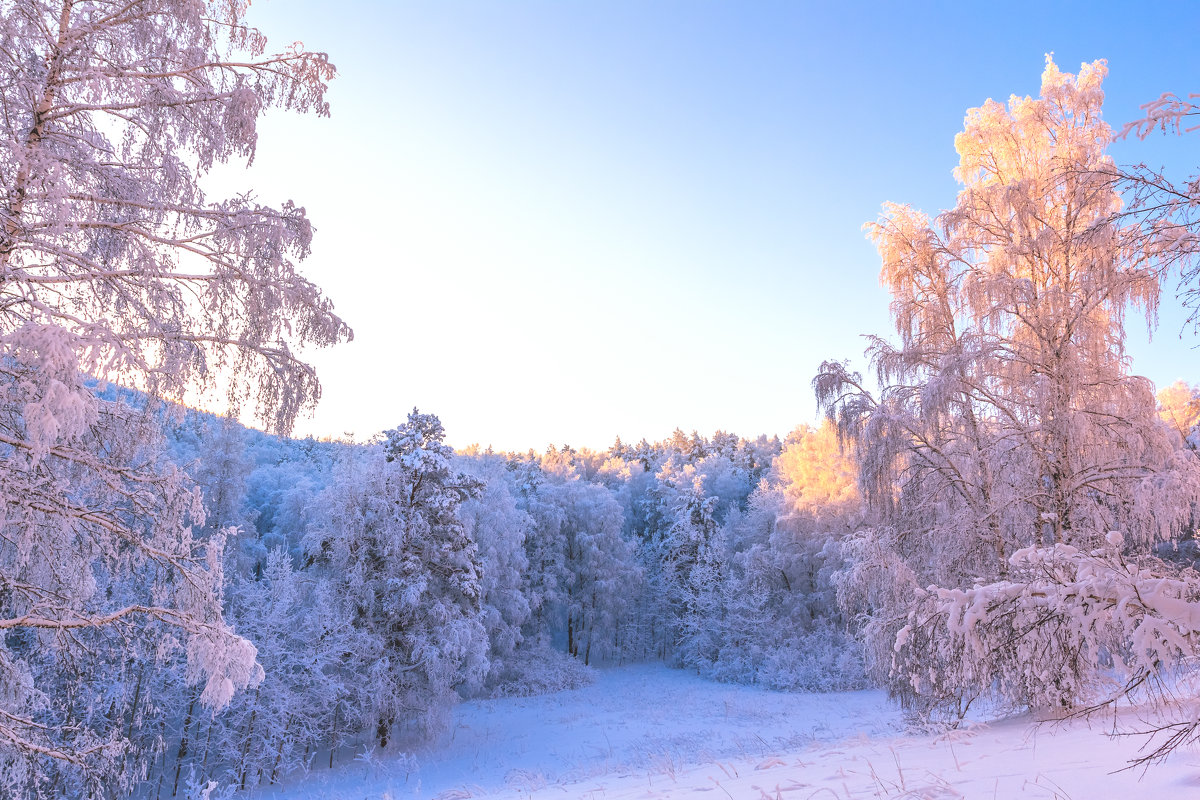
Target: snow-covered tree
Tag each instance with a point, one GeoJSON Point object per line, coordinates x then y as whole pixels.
{"type": "Point", "coordinates": [1166, 208]}
{"type": "Point", "coordinates": [113, 113]}
{"type": "Point", "coordinates": [600, 574]}
{"type": "Point", "coordinates": [114, 264]}
{"type": "Point", "coordinates": [408, 573]}
{"type": "Point", "coordinates": [301, 637]}
{"type": "Point", "coordinates": [782, 624]}
{"type": "Point", "coordinates": [221, 473]}
{"type": "Point", "coordinates": [1010, 313]}
{"type": "Point", "coordinates": [499, 528]}
{"type": "Point", "coordinates": [686, 568]}
{"type": "Point", "coordinates": [1007, 418]}
{"type": "Point", "coordinates": [1179, 408]}
{"type": "Point", "coordinates": [817, 474]}
{"type": "Point", "coordinates": [546, 575]}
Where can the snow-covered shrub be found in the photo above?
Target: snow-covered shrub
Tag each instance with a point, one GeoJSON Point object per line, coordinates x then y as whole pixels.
{"type": "Point", "coordinates": [875, 589]}
{"type": "Point", "coordinates": [540, 669]}
{"type": "Point", "coordinates": [824, 659]}
{"type": "Point", "coordinates": [1046, 637]}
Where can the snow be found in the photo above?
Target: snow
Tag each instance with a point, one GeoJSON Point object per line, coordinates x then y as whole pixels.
{"type": "Point", "coordinates": [648, 732]}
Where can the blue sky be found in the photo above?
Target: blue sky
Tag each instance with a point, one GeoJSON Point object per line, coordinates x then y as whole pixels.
{"type": "Point", "coordinates": [564, 221]}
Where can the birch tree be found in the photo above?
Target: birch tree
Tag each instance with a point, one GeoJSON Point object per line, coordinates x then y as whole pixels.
{"type": "Point", "coordinates": [1008, 419]}
{"type": "Point", "coordinates": [1166, 208]}
{"type": "Point", "coordinates": [1179, 408]}
{"type": "Point", "coordinates": [116, 266]}
{"type": "Point", "coordinates": [1007, 397]}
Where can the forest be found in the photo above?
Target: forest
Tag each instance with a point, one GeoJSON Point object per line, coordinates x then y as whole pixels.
{"type": "Point", "coordinates": [996, 513]}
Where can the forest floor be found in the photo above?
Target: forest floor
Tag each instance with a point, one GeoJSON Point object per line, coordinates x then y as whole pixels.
{"type": "Point", "coordinates": [653, 733]}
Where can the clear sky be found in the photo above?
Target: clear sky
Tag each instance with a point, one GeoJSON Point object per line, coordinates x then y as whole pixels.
{"type": "Point", "coordinates": [557, 222]}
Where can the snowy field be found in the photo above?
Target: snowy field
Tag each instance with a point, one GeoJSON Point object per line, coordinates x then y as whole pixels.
{"type": "Point", "coordinates": [652, 732]}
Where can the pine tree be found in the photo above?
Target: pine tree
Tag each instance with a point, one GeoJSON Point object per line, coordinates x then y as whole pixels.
{"type": "Point", "coordinates": [408, 573]}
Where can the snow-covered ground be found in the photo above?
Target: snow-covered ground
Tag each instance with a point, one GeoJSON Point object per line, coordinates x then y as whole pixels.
{"type": "Point", "coordinates": [652, 732]}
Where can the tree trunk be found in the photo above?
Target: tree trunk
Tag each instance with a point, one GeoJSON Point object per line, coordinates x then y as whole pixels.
{"type": "Point", "coordinates": [182, 752]}
{"type": "Point", "coordinates": [333, 736]}
{"type": "Point", "coordinates": [246, 743]}
{"type": "Point", "coordinates": [382, 729]}
{"type": "Point", "coordinates": [137, 694]}
{"type": "Point", "coordinates": [207, 745]}
{"type": "Point", "coordinates": [279, 753]}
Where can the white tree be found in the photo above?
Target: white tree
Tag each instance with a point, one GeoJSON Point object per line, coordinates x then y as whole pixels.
{"type": "Point", "coordinates": [817, 475]}
{"type": "Point", "coordinates": [1008, 419]}
{"type": "Point", "coordinates": [114, 265]}
{"type": "Point", "coordinates": [687, 554]}
{"type": "Point", "coordinates": [783, 627]}
{"type": "Point", "coordinates": [546, 575]}
{"type": "Point", "coordinates": [408, 574]}
{"type": "Point", "coordinates": [601, 573]}
{"type": "Point", "coordinates": [1010, 312]}
{"type": "Point", "coordinates": [498, 527]}
{"type": "Point", "coordinates": [1179, 407]}
{"type": "Point", "coordinates": [1165, 207]}
{"type": "Point", "coordinates": [301, 639]}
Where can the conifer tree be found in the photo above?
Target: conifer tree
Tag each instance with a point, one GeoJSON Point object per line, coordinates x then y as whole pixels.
{"type": "Point", "coordinates": [408, 573]}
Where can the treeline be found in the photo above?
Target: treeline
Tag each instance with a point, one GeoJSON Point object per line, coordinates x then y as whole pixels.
{"type": "Point", "coordinates": [382, 583]}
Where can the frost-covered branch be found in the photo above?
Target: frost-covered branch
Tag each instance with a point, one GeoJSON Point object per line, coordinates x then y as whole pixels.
{"type": "Point", "coordinates": [116, 267]}
{"type": "Point", "coordinates": [1066, 625]}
